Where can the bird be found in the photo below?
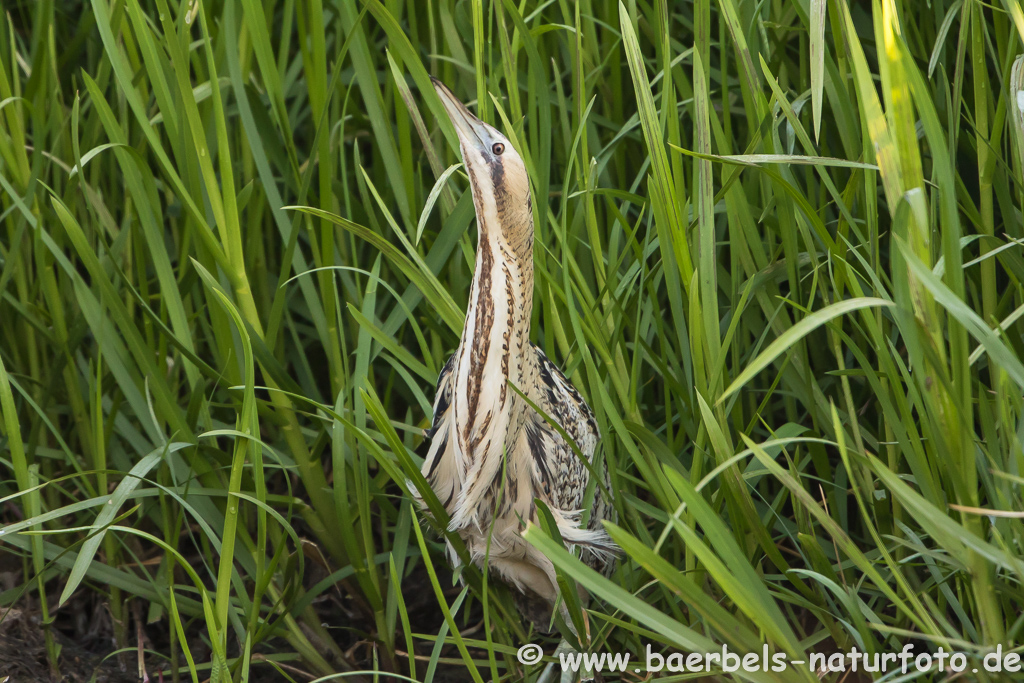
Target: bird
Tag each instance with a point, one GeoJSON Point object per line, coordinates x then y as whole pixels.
{"type": "Point", "coordinates": [492, 452]}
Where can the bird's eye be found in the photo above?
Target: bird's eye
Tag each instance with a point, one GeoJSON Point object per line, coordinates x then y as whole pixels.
{"type": "Point", "coordinates": [498, 148]}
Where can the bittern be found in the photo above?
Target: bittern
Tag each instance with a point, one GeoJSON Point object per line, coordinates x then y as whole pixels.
{"type": "Point", "coordinates": [492, 454]}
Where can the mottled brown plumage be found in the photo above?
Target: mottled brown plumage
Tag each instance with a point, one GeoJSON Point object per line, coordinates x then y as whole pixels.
{"type": "Point", "coordinates": [492, 454]}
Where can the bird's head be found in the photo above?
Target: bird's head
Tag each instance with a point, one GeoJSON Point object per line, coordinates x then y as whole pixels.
{"type": "Point", "coordinates": [497, 175]}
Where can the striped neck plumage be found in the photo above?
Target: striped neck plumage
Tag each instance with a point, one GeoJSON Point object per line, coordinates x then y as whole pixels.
{"type": "Point", "coordinates": [501, 294]}
{"type": "Point", "coordinates": [492, 354]}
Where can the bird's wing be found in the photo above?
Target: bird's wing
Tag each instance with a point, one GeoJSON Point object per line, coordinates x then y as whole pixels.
{"type": "Point", "coordinates": [560, 477]}
{"type": "Point", "coordinates": [439, 468]}
{"type": "Point", "coordinates": [557, 469]}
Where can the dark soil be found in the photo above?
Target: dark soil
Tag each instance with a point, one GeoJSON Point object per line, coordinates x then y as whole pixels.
{"type": "Point", "coordinates": [23, 656]}
{"type": "Point", "coordinates": [83, 631]}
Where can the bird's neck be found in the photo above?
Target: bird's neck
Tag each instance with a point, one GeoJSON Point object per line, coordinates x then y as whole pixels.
{"type": "Point", "coordinates": [496, 336]}
{"type": "Point", "coordinates": [492, 355]}
{"type": "Point", "coordinates": [501, 300]}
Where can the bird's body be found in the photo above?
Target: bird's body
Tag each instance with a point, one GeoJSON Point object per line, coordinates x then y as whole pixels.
{"type": "Point", "coordinates": [492, 453]}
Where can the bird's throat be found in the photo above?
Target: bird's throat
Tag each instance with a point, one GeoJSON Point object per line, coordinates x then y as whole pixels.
{"type": "Point", "coordinates": [495, 340]}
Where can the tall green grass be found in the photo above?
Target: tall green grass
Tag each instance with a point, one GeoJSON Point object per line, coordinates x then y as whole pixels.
{"type": "Point", "coordinates": [779, 251]}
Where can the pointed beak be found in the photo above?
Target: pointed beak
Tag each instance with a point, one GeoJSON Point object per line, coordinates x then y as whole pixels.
{"type": "Point", "coordinates": [471, 130]}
